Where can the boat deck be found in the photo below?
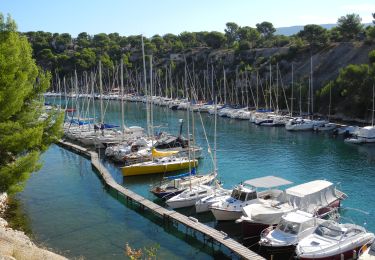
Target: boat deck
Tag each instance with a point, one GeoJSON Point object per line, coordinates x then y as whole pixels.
{"type": "Point", "coordinates": [168, 215]}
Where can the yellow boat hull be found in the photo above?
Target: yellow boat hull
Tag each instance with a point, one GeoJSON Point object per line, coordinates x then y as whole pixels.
{"type": "Point", "coordinates": [139, 169]}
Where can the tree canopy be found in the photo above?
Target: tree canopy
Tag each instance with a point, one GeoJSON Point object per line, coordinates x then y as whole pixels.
{"type": "Point", "coordinates": [350, 26]}
{"type": "Point", "coordinates": [23, 133]}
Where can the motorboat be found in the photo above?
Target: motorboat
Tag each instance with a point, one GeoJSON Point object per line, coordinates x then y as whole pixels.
{"type": "Point", "coordinates": [332, 240]}
{"type": "Point", "coordinates": [292, 227]}
{"type": "Point", "coordinates": [364, 135]}
{"type": "Point", "coordinates": [230, 206]}
{"type": "Point", "coordinates": [299, 124]}
{"type": "Point", "coordinates": [319, 197]}
{"type": "Point", "coordinates": [325, 127]}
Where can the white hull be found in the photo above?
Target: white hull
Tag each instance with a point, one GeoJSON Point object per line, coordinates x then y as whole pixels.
{"type": "Point", "coordinates": [222, 214]}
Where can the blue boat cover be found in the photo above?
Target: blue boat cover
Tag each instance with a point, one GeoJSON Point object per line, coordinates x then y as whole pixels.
{"type": "Point", "coordinates": [193, 172]}
{"type": "Point", "coordinates": [110, 126]}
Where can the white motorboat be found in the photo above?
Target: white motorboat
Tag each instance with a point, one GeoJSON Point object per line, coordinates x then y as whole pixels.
{"type": "Point", "coordinates": [332, 240]}
{"type": "Point", "coordinates": [299, 124]}
{"type": "Point", "coordinates": [230, 207]}
{"type": "Point", "coordinates": [317, 197]}
{"type": "Point", "coordinates": [292, 227]}
{"type": "Point", "coordinates": [325, 127]}
{"type": "Point", "coordinates": [364, 135]}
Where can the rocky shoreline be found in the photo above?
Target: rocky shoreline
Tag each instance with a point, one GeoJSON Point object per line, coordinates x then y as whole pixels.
{"type": "Point", "coordinates": [15, 244]}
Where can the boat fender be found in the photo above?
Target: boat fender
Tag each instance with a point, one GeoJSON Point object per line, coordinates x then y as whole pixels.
{"type": "Point", "coordinates": [193, 219]}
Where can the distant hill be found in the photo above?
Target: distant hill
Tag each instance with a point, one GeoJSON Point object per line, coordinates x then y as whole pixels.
{"type": "Point", "coordinates": [295, 29]}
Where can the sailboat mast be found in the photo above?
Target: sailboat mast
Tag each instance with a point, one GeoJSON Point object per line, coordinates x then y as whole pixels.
{"type": "Point", "coordinates": [122, 95]}
{"type": "Point", "coordinates": [77, 94]}
{"type": "Point", "coordinates": [225, 86]}
{"type": "Point", "coordinates": [257, 104]}
{"type": "Point", "coordinates": [215, 124]}
{"type": "Point", "coordinates": [151, 94]}
{"type": "Point", "coordinates": [277, 87]}
{"type": "Point", "coordinates": [92, 94]}
{"type": "Point", "coordinates": [291, 105]}
{"type": "Point", "coordinates": [312, 87]}
{"type": "Point", "coordinates": [373, 104]}
{"type": "Point", "coordinates": [270, 86]}
{"type": "Point", "coordinates": [145, 85]}
{"type": "Point", "coordinates": [101, 93]}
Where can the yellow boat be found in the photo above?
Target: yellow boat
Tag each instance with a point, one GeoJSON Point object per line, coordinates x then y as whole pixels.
{"type": "Point", "coordinates": [162, 165]}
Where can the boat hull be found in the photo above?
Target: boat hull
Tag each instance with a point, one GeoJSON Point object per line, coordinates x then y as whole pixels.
{"type": "Point", "coordinates": [223, 215]}
{"type": "Point", "coordinates": [348, 254]}
{"type": "Point", "coordinates": [134, 170]}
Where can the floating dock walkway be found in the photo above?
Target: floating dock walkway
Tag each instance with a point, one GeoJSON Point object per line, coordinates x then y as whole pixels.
{"type": "Point", "coordinates": [168, 216]}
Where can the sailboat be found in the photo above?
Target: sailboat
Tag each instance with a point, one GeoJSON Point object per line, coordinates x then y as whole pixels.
{"type": "Point", "coordinates": [327, 126]}
{"type": "Point", "coordinates": [365, 134]}
{"type": "Point", "coordinates": [159, 163]}
{"type": "Point", "coordinates": [194, 193]}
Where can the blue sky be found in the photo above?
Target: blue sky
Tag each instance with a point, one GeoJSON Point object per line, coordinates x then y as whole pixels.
{"type": "Point", "coordinates": [151, 17]}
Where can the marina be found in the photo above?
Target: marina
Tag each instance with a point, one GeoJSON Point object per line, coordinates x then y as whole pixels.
{"type": "Point", "coordinates": [311, 163]}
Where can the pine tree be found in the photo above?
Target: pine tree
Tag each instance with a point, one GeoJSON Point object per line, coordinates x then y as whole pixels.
{"type": "Point", "coordinates": [23, 132]}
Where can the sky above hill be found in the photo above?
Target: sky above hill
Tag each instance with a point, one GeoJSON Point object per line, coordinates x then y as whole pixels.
{"type": "Point", "coordinates": [150, 17]}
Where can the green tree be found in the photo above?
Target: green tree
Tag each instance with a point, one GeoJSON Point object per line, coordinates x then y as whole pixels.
{"type": "Point", "coordinates": [85, 59]}
{"type": "Point", "coordinates": [62, 42]}
{"type": "Point", "coordinates": [215, 40]}
{"type": "Point", "coordinates": [23, 135]}
{"type": "Point", "coordinates": [335, 35]}
{"type": "Point", "coordinates": [101, 41]}
{"type": "Point", "coordinates": [350, 26]}
{"type": "Point", "coordinates": [231, 32]}
{"type": "Point", "coordinates": [83, 40]}
{"type": "Point", "coordinates": [249, 34]}
{"type": "Point", "coordinates": [315, 35]}
{"type": "Point", "coordinates": [188, 39]}
{"type": "Point", "coordinates": [266, 29]}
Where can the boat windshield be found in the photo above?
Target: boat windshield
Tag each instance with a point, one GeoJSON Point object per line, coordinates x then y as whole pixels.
{"type": "Point", "coordinates": [329, 230]}
{"type": "Point", "coordinates": [289, 227]}
{"type": "Point", "coordinates": [235, 194]}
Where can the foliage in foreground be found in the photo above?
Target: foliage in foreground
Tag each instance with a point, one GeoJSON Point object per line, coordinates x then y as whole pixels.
{"type": "Point", "coordinates": [23, 133]}
{"type": "Point", "coordinates": [146, 253]}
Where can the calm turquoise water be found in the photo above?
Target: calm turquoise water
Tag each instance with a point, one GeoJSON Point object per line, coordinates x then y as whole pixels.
{"type": "Point", "coordinates": [70, 212]}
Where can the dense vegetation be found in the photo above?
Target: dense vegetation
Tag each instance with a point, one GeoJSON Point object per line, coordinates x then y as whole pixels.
{"type": "Point", "coordinates": [63, 53]}
{"type": "Point", "coordinates": [23, 133]}
{"type": "Point", "coordinates": [205, 54]}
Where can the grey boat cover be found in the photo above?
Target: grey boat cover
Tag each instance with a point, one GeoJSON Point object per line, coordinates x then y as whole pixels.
{"type": "Point", "coordinates": [267, 182]}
